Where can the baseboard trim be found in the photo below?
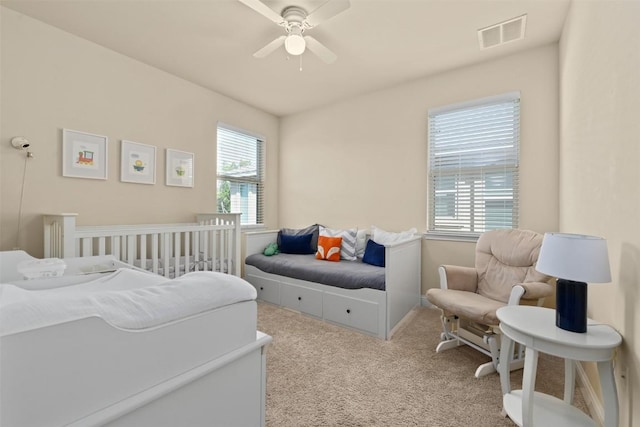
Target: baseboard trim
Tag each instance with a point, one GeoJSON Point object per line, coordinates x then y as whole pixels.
{"type": "Point", "coordinates": [424, 302]}
{"type": "Point", "coordinates": [403, 322]}
{"type": "Point", "coordinates": [596, 410]}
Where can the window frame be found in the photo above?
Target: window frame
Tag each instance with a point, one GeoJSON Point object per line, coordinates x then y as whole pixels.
{"type": "Point", "coordinates": [258, 179]}
{"type": "Point", "coordinates": [467, 235]}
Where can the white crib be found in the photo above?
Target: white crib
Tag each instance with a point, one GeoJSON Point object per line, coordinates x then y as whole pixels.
{"type": "Point", "coordinates": [211, 243]}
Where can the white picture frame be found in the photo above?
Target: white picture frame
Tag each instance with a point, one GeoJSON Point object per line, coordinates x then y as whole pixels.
{"type": "Point", "coordinates": [84, 155]}
{"type": "Point", "coordinates": [137, 162]}
{"type": "Point", "coordinates": [180, 168]}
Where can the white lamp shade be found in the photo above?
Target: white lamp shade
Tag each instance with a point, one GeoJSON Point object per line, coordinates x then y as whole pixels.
{"type": "Point", "coordinates": [574, 257]}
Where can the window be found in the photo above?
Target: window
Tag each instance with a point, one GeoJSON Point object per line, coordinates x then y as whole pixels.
{"type": "Point", "coordinates": [240, 170]}
{"type": "Point", "coordinates": [473, 166]}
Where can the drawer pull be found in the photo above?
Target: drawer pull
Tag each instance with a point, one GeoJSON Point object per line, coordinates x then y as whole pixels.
{"type": "Point", "coordinates": [348, 310]}
{"type": "Point", "coordinates": [299, 298]}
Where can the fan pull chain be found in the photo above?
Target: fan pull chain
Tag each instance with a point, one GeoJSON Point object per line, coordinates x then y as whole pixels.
{"type": "Point", "coordinates": [300, 63]}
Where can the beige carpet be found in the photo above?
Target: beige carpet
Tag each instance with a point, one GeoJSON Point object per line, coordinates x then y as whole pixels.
{"type": "Point", "coordinates": [320, 374]}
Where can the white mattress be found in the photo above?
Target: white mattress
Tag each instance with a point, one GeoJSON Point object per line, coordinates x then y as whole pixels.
{"type": "Point", "coordinates": [126, 298]}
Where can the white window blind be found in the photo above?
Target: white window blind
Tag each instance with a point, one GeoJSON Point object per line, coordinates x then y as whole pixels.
{"type": "Point", "coordinates": [473, 166]}
{"type": "Point", "coordinates": [240, 172]}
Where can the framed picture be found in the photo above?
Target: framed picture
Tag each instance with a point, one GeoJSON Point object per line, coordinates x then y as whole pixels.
{"type": "Point", "coordinates": [137, 163]}
{"type": "Point", "coordinates": [84, 155]}
{"type": "Point", "coordinates": [179, 168]}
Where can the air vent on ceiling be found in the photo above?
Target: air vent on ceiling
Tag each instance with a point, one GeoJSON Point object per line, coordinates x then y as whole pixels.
{"type": "Point", "coordinates": [504, 32]}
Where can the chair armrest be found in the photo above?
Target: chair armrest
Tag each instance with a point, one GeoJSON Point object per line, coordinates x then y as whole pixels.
{"type": "Point", "coordinates": [458, 278]}
{"type": "Point", "coordinates": [530, 291]}
{"type": "Point", "coordinates": [536, 290]}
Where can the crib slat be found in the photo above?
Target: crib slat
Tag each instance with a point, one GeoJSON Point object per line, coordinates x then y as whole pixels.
{"type": "Point", "coordinates": [203, 252]}
{"type": "Point", "coordinates": [143, 251]}
{"type": "Point", "coordinates": [208, 249]}
{"type": "Point", "coordinates": [229, 252]}
{"type": "Point", "coordinates": [215, 237]}
{"type": "Point", "coordinates": [115, 246]}
{"type": "Point", "coordinates": [196, 250]}
{"type": "Point", "coordinates": [166, 253]}
{"type": "Point", "coordinates": [187, 261]}
{"type": "Point", "coordinates": [176, 251]}
{"type": "Point", "coordinates": [56, 242]}
{"type": "Point", "coordinates": [221, 252]}
{"type": "Point", "coordinates": [101, 246]}
{"type": "Point", "coordinates": [205, 249]}
{"type": "Point", "coordinates": [131, 245]}
{"type": "Point", "coordinates": [214, 248]}
{"type": "Point", "coordinates": [154, 252]}
{"type": "Point", "coordinates": [87, 249]}
{"type": "Point", "coordinates": [49, 238]}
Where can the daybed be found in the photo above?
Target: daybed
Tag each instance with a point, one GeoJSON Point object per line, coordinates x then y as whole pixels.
{"type": "Point", "coordinates": [375, 306]}
{"type": "Point", "coordinates": [128, 348]}
{"type": "Point", "coordinates": [211, 243]}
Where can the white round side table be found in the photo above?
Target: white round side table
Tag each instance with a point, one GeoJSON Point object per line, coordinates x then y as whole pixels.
{"type": "Point", "coordinates": [535, 328]}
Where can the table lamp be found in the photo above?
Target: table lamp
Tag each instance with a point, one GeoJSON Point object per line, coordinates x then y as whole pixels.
{"type": "Point", "coordinates": [574, 259]}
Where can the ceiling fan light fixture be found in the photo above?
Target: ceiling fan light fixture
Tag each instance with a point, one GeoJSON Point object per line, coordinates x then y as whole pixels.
{"type": "Point", "coordinates": [295, 44]}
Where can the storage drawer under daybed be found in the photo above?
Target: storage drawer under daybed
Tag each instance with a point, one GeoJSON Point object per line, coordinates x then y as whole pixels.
{"type": "Point", "coordinates": [352, 312]}
{"type": "Point", "coordinates": [329, 303]}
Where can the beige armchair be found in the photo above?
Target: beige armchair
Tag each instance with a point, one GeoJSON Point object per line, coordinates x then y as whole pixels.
{"type": "Point", "coordinates": [504, 274]}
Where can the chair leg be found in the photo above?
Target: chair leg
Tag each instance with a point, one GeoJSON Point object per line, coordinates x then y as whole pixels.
{"type": "Point", "coordinates": [490, 367]}
{"type": "Point", "coordinates": [448, 344]}
{"type": "Point", "coordinates": [485, 369]}
{"type": "Point", "coordinates": [448, 339]}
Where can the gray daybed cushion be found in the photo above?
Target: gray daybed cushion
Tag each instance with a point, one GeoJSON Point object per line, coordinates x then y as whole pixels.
{"type": "Point", "coordinates": [343, 274]}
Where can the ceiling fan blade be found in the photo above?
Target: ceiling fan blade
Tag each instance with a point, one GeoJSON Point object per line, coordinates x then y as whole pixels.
{"type": "Point", "coordinates": [264, 10]}
{"type": "Point", "coordinates": [326, 11]}
{"type": "Point", "coordinates": [270, 47]}
{"type": "Point", "coordinates": [320, 50]}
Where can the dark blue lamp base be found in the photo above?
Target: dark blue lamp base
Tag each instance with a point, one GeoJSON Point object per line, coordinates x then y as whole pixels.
{"type": "Point", "coordinates": [571, 305]}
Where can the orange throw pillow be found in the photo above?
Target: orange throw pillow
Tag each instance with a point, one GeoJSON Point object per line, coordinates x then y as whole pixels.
{"type": "Point", "coordinates": [329, 248]}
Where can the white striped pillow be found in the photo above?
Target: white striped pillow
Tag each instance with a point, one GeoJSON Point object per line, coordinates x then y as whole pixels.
{"type": "Point", "coordinates": [348, 248]}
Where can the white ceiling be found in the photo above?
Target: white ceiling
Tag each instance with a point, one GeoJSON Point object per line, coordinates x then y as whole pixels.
{"type": "Point", "coordinates": [379, 43]}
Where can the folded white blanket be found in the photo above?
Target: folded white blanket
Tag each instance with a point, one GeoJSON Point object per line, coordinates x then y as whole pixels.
{"type": "Point", "coordinates": [126, 299]}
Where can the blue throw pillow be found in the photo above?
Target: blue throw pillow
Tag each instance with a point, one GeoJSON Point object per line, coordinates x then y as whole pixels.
{"type": "Point", "coordinates": [312, 229]}
{"type": "Point", "coordinates": [374, 254]}
{"type": "Point", "coordinates": [300, 244]}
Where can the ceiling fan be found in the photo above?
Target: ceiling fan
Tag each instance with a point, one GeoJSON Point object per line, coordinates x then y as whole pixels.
{"type": "Point", "coordinates": [295, 21]}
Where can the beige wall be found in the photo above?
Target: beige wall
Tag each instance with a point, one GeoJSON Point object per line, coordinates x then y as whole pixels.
{"type": "Point", "coordinates": [600, 166]}
{"type": "Point", "coordinates": [52, 80]}
{"type": "Point", "coordinates": [355, 163]}
{"type": "Point", "coordinates": [363, 162]}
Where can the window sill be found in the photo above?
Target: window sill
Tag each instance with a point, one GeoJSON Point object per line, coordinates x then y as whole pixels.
{"type": "Point", "coordinates": [450, 237]}
{"type": "Point", "coordinates": [253, 227]}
